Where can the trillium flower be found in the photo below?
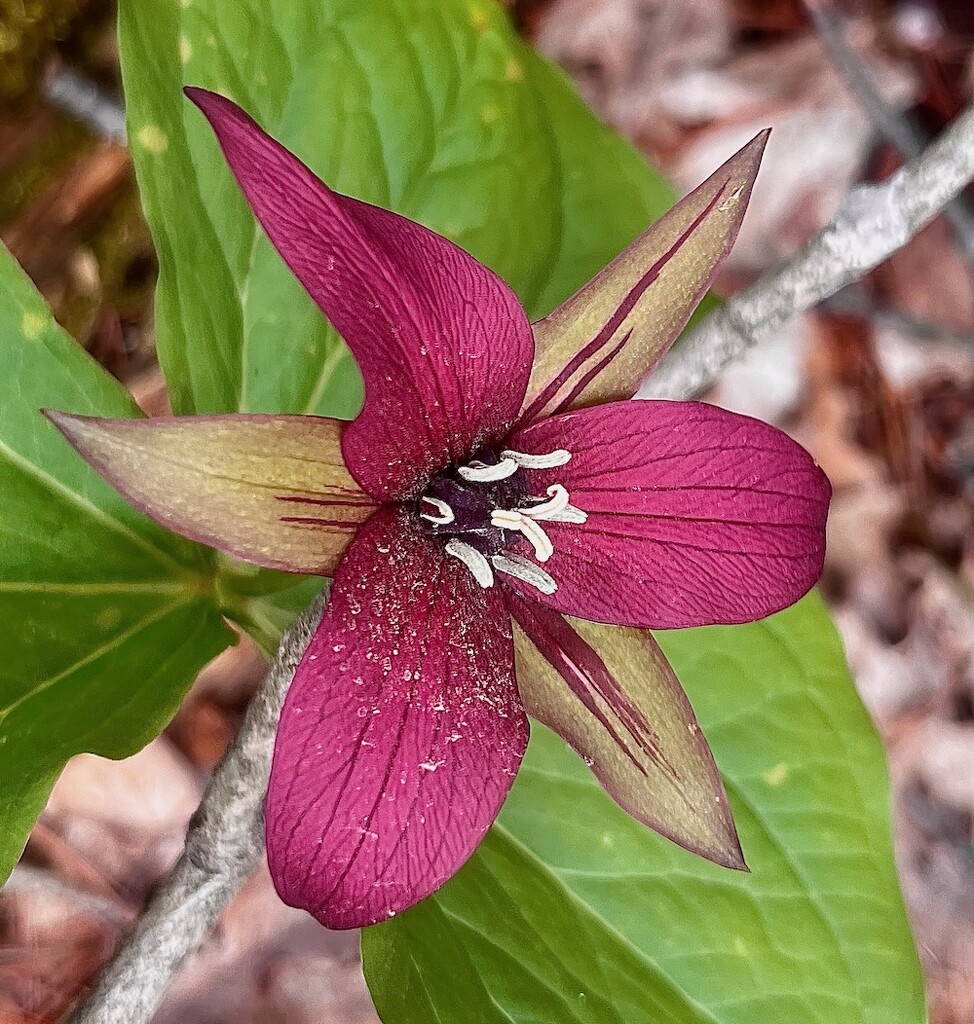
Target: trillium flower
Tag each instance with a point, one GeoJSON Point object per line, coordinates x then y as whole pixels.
{"type": "Point", "coordinates": [503, 527]}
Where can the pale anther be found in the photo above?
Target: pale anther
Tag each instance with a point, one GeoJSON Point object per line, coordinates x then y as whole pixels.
{"type": "Point", "coordinates": [477, 564]}
{"type": "Point", "coordinates": [480, 472]}
{"type": "Point", "coordinates": [549, 461]}
{"type": "Point", "coordinates": [569, 514]}
{"type": "Point", "coordinates": [558, 500]}
{"type": "Point", "coordinates": [515, 520]}
{"type": "Point", "coordinates": [444, 514]}
{"type": "Point", "coordinates": [520, 568]}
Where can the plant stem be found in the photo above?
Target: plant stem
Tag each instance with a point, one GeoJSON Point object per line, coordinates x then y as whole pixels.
{"type": "Point", "coordinates": [224, 845]}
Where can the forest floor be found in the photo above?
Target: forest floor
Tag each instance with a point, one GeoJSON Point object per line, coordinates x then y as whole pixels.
{"type": "Point", "coordinates": [878, 384]}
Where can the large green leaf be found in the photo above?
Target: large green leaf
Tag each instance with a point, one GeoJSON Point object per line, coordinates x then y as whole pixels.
{"type": "Point", "coordinates": [107, 617]}
{"type": "Point", "coordinates": [571, 911]}
{"type": "Point", "coordinates": [434, 108]}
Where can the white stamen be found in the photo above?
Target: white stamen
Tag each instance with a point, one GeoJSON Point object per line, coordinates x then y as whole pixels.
{"type": "Point", "coordinates": [527, 572]}
{"type": "Point", "coordinates": [546, 510]}
{"type": "Point", "coordinates": [477, 564]}
{"type": "Point", "coordinates": [445, 513]}
{"type": "Point", "coordinates": [540, 541]}
{"type": "Point", "coordinates": [549, 461]}
{"type": "Point", "coordinates": [515, 520]}
{"type": "Point", "coordinates": [480, 472]}
{"type": "Point", "coordinates": [505, 519]}
{"type": "Point", "coordinates": [569, 514]}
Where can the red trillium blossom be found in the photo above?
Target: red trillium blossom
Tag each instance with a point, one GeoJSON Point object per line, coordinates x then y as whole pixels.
{"type": "Point", "coordinates": [503, 527]}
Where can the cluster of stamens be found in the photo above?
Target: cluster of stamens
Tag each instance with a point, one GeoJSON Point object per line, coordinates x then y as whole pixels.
{"type": "Point", "coordinates": [484, 507]}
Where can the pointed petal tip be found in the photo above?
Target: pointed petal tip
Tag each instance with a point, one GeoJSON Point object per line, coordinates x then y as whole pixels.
{"type": "Point", "coordinates": [200, 96]}
{"type": "Point", "coordinates": [760, 140]}
{"type": "Point", "coordinates": [752, 154]}
{"type": "Point", "coordinates": [741, 865]}
{"type": "Point", "coordinates": [746, 162]}
{"type": "Point", "coordinates": [59, 417]}
{"type": "Point", "coordinates": [718, 844]}
{"type": "Point", "coordinates": [231, 481]}
{"type": "Point", "coordinates": [65, 423]}
{"type": "Point", "coordinates": [73, 426]}
{"type": "Point", "coordinates": [601, 343]}
{"type": "Point", "coordinates": [721, 845]}
{"type": "Point", "coordinates": [220, 111]}
{"type": "Point", "coordinates": [732, 855]}
{"type": "Point", "coordinates": [211, 104]}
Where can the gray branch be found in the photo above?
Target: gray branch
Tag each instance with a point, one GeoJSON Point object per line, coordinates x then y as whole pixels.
{"type": "Point", "coordinates": [871, 224]}
{"type": "Point", "coordinates": [224, 845]}
{"type": "Point", "coordinates": [893, 126]}
{"type": "Point", "coordinates": [225, 839]}
{"type": "Point", "coordinates": [81, 99]}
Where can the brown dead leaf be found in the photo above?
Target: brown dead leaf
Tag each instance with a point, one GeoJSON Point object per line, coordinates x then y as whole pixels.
{"type": "Point", "coordinates": [267, 962]}
{"type": "Point", "coordinates": [54, 939]}
{"type": "Point", "coordinates": [126, 818]}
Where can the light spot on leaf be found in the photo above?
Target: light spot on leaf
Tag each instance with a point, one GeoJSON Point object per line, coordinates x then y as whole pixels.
{"type": "Point", "coordinates": [479, 17]}
{"type": "Point", "coordinates": [109, 617]}
{"type": "Point", "coordinates": [777, 776]}
{"type": "Point", "coordinates": [185, 49]}
{"type": "Point", "coordinates": [32, 325]}
{"type": "Point", "coordinates": [152, 138]}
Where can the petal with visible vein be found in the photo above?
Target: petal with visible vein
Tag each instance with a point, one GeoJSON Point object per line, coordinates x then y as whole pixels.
{"type": "Point", "coordinates": [611, 693]}
{"type": "Point", "coordinates": [695, 515]}
{"type": "Point", "coordinates": [443, 344]}
{"type": "Point", "coordinates": [603, 342]}
{"type": "Point", "coordinates": [401, 733]}
{"type": "Point", "coordinates": [269, 489]}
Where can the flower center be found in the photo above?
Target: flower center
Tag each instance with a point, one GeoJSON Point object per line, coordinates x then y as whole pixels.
{"type": "Point", "coordinates": [485, 508]}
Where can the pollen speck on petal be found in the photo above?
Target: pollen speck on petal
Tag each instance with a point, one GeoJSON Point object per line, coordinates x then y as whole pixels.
{"type": "Point", "coordinates": [373, 800]}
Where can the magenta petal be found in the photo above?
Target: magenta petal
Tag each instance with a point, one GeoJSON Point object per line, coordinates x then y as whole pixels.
{"type": "Point", "coordinates": [443, 344]}
{"type": "Point", "coordinates": [696, 515]}
{"type": "Point", "coordinates": [401, 733]}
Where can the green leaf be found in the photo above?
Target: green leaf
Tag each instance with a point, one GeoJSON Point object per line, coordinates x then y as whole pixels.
{"type": "Point", "coordinates": [108, 617]}
{"type": "Point", "coordinates": [433, 108]}
{"type": "Point", "coordinates": [264, 602]}
{"type": "Point", "coordinates": [571, 911]}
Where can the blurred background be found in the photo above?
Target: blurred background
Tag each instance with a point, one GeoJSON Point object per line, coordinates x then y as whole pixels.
{"type": "Point", "coordinates": [878, 384]}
